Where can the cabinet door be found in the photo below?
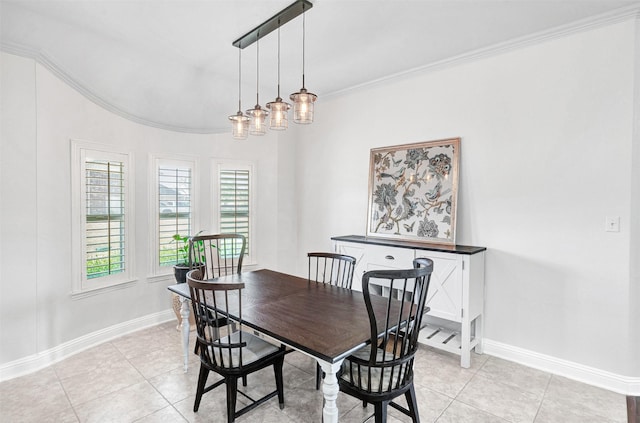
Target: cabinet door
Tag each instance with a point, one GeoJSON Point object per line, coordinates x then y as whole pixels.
{"type": "Point", "coordinates": [445, 289]}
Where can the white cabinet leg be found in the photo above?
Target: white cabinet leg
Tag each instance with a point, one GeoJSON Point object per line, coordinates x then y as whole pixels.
{"type": "Point", "coordinates": [479, 335]}
{"type": "Point", "coordinates": [185, 309]}
{"type": "Point", "coordinates": [465, 344]}
{"type": "Point", "coordinates": [330, 391]}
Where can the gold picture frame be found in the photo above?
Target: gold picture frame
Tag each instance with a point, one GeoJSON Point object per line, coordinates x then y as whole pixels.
{"type": "Point", "coordinates": [413, 190]}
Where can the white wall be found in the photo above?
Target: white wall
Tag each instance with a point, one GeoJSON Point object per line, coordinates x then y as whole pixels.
{"type": "Point", "coordinates": [547, 140]}
{"type": "Point", "coordinates": [18, 236]}
{"type": "Point", "coordinates": [40, 116]}
{"type": "Point", "coordinates": [550, 147]}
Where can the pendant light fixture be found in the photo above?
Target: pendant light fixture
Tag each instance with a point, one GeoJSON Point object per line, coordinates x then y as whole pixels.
{"type": "Point", "coordinates": [257, 115]}
{"type": "Point", "coordinates": [239, 122]}
{"type": "Point", "coordinates": [279, 120]}
{"type": "Point", "coordinates": [278, 110]}
{"type": "Point", "coordinates": [303, 100]}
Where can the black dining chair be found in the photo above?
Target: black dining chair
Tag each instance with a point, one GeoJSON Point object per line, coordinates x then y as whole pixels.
{"type": "Point", "coordinates": [235, 355]}
{"type": "Point", "coordinates": [218, 255]}
{"type": "Point", "coordinates": [383, 370]}
{"type": "Point", "coordinates": [333, 269]}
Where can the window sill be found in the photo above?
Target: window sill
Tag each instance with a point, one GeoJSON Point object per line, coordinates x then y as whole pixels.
{"type": "Point", "coordinates": [167, 277]}
{"type": "Point", "coordinates": [77, 295]}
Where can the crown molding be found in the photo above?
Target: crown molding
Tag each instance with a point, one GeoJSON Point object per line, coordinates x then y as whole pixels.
{"type": "Point", "coordinates": [76, 83]}
{"type": "Point", "coordinates": [598, 21]}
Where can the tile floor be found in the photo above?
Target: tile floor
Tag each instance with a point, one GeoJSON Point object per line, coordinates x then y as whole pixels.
{"type": "Point", "coordinates": [139, 378]}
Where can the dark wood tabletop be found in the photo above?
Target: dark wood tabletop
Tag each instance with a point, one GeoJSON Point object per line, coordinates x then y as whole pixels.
{"type": "Point", "coordinates": [324, 321]}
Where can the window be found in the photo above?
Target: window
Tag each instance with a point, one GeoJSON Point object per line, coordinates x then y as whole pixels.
{"type": "Point", "coordinates": [101, 205]}
{"type": "Point", "coordinates": [173, 207]}
{"type": "Point", "coordinates": [235, 208]}
{"type": "Point", "coordinates": [105, 219]}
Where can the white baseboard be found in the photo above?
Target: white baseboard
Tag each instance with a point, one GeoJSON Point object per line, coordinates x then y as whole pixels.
{"type": "Point", "coordinates": [53, 355]}
{"type": "Point", "coordinates": [611, 381]}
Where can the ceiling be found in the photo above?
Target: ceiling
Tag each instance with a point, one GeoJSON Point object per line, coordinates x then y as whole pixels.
{"type": "Point", "coordinates": [170, 63]}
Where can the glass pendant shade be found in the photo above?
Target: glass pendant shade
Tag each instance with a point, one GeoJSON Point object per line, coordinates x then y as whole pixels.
{"type": "Point", "coordinates": [279, 114]}
{"type": "Point", "coordinates": [257, 124]}
{"type": "Point", "coordinates": [303, 106]}
{"type": "Point", "coordinates": [240, 125]}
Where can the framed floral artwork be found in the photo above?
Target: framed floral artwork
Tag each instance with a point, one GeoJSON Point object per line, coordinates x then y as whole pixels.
{"type": "Point", "coordinates": [413, 191]}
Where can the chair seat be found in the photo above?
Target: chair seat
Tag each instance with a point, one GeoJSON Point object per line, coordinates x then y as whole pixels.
{"type": "Point", "coordinates": [255, 349]}
{"type": "Point", "coordinates": [357, 374]}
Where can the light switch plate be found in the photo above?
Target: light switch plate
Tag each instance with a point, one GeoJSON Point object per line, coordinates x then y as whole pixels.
{"type": "Point", "coordinates": [612, 224]}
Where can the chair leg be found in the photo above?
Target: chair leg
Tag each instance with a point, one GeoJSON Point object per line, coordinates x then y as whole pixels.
{"type": "Point", "coordinates": [202, 381]}
{"type": "Point", "coordinates": [277, 370]}
{"type": "Point", "coordinates": [232, 394]}
{"type": "Point", "coordinates": [318, 376]}
{"type": "Point", "coordinates": [412, 402]}
{"type": "Point", "coordinates": [244, 380]}
{"type": "Point", "coordinates": [380, 412]}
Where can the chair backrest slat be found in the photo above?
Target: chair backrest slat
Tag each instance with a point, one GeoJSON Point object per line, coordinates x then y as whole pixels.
{"type": "Point", "coordinates": [219, 254]}
{"type": "Point", "coordinates": [331, 268]}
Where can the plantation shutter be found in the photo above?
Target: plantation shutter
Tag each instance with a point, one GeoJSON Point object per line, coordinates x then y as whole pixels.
{"type": "Point", "coordinates": [174, 210]}
{"type": "Point", "coordinates": [105, 217]}
{"type": "Point", "coordinates": [234, 202]}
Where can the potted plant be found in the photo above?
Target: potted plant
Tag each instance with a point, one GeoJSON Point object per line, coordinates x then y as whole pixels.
{"type": "Point", "coordinates": [181, 269]}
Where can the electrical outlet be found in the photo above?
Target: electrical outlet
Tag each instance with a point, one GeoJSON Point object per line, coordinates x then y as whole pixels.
{"type": "Point", "coordinates": [612, 224]}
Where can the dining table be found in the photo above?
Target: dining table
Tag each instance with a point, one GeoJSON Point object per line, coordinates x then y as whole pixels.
{"type": "Point", "coordinates": [322, 321]}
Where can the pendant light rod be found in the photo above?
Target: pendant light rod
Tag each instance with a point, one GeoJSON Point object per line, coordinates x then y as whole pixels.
{"type": "Point", "coordinates": [278, 61]}
{"type": "Point", "coordinates": [276, 21]}
{"type": "Point", "coordinates": [258, 70]}
{"type": "Point", "coordinates": [240, 81]}
{"type": "Point", "coordinates": [303, 40]}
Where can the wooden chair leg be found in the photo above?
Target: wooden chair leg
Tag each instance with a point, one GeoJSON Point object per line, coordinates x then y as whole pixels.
{"type": "Point", "coordinates": [318, 376]}
{"type": "Point", "coordinates": [232, 394]}
{"type": "Point", "coordinates": [380, 412]}
{"type": "Point", "coordinates": [202, 380]}
{"type": "Point", "coordinates": [412, 402]}
{"type": "Point", "coordinates": [277, 369]}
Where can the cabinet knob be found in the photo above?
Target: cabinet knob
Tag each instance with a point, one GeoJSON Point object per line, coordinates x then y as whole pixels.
{"type": "Point", "coordinates": [390, 257]}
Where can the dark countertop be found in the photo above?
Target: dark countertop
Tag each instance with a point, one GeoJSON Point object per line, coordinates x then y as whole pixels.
{"type": "Point", "coordinates": [455, 249]}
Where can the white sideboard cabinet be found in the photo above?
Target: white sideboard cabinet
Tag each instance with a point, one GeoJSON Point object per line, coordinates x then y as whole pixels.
{"type": "Point", "coordinates": [456, 291]}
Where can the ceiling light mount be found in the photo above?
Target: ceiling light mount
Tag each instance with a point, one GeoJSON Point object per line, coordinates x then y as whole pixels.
{"type": "Point", "coordinates": [276, 21]}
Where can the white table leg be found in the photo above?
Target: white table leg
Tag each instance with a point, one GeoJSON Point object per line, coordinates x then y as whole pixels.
{"type": "Point", "coordinates": [185, 309]}
{"type": "Point", "coordinates": [330, 391]}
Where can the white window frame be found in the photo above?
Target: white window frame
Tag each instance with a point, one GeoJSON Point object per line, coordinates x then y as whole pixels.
{"type": "Point", "coordinates": [156, 162]}
{"type": "Point", "coordinates": [80, 151]}
{"type": "Point", "coordinates": [218, 165]}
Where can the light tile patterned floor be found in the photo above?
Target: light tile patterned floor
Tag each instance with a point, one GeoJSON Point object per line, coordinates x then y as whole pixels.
{"type": "Point", "coordinates": [139, 378]}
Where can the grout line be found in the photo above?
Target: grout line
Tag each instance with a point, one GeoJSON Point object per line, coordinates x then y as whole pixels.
{"type": "Point", "coordinates": [544, 395]}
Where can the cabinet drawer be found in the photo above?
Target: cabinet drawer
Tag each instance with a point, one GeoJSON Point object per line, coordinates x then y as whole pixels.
{"type": "Point", "coordinates": [382, 258]}
{"type": "Point", "coordinates": [388, 258]}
